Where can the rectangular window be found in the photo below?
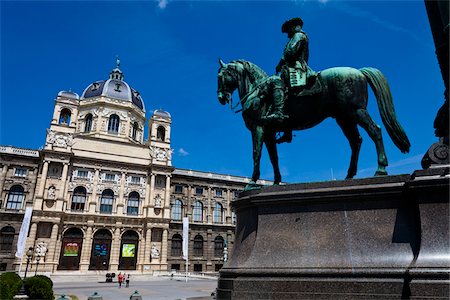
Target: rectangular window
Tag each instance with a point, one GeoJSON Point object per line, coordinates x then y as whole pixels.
{"type": "Point", "coordinates": [44, 230]}
{"type": "Point", "coordinates": [178, 189]}
{"type": "Point", "coordinates": [198, 268]}
{"type": "Point", "coordinates": [218, 267]}
{"type": "Point", "coordinates": [133, 206]}
{"type": "Point", "coordinates": [110, 177]}
{"type": "Point", "coordinates": [156, 235]}
{"type": "Point", "coordinates": [82, 173]}
{"type": "Point", "coordinates": [175, 267]}
{"type": "Point", "coordinates": [160, 182]}
{"type": "Point", "coordinates": [199, 191]}
{"type": "Point", "coordinates": [218, 193]}
{"type": "Point", "coordinates": [176, 247]}
{"type": "Point", "coordinates": [135, 180]}
{"type": "Point", "coordinates": [106, 205]}
{"type": "Point", "coordinates": [21, 172]}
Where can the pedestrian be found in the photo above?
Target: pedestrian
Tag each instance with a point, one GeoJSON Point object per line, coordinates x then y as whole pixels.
{"type": "Point", "coordinates": [120, 279]}
{"type": "Point", "coordinates": [127, 281]}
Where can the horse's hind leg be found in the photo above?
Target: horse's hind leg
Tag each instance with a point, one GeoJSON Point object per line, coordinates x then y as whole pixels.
{"type": "Point", "coordinates": [350, 130]}
{"type": "Point", "coordinates": [374, 132]}
{"type": "Point", "coordinates": [271, 145]}
{"type": "Point", "coordinates": [257, 137]}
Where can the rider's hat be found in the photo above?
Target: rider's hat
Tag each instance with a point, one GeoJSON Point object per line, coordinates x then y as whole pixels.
{"type": "Point", "coordinates": [291, 23]}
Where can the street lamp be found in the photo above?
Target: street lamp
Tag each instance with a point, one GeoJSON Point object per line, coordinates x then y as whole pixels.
{"type": "Point", "coordinates": [29, 255]}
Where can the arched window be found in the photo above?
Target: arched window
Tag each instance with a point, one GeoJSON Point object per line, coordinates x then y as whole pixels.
{"type": "Point", "coordinates": [133, 204]}
{"type": "Point", "coordinates": [78, 199]}
{"type": "Point", "coordinates": [7, 238]}
{"type": "Point", "coordinates": [88, 123]}
{"type": "Point", "coordinates": [177, 208]}
{"type": "Point", "coordinates": [198, 245]}
{"type": "Point", "coordinates": [218, 246]}
{"type": "Point", "coordinates": [197, 212]}
{"type": "Point", "coordinates": [106, 202]}
{"type": "Point", "coordinates": [135, 130]}
{"type": "Point", "coordinates": [176, 245]}
{"type": "Point", "coordinates": [16, 196]}
{"type": "Point", "coordinates": [113, 124]}
{"type": "Point", "coordinates": [161, 133]}
{"type": "Point", "coordinates": [218, 213]}
{"type": "Point", "coordinates": [64, 117]}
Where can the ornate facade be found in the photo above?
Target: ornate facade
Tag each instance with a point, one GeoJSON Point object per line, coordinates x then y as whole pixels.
{"type": "Point", "coordinates": [105, 199]}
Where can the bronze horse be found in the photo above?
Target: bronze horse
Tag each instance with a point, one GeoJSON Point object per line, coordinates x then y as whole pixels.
{"type": "Point", "coordinates": [343, 97]}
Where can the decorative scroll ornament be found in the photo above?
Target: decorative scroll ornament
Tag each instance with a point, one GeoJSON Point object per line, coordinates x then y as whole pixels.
{"type": "Point", "coordinates": [51, 194]}
{"type": "Point", "coordinates": [160, 154]}
{"type": "Point", "coordinates": [154, 251]}
{"type": "Point", "coordinates": [41, 249]}
{"type": "Point", "coordinates": [158, 201]}
{"type": "Point", "coordinates": [62, 140]}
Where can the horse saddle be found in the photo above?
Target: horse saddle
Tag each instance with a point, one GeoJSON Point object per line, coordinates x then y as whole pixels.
{"type": "Point", "coordinates": [313, 86]}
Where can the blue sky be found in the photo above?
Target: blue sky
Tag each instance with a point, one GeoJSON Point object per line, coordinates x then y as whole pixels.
{"type": "Point", "coordinates": [169, 51]}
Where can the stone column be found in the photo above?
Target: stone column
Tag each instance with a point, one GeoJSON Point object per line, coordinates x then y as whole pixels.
{"type": "Point", "coordinates": [141, 253]}
{"type": "Point", "coordinates": [148, 239]}
{"type": "Point", "coordinates": [152, 190]}
{"type": "Point", "coordinates": [52, 249]}
{"type": "Point", "coordinates": [209, 216]}
{"type": "Point", "coordinates": [92, 204]}
{"type": "Point", "coordinates": [167, 198]}
{"type": "Point", "coordinates": [3, 178]}
{"type": "Point", "coordinates": [62, 188]}
{"type": "Point", "coordinates": [121, 203]}
{"type": "Point", "coordinates": [164, 250]}
{"type": "Point", "coordinates": [146, 204]}
{"type": "Point", "coordinates": [43, 179]}
{"type": "Point", "coordinates": [87, 248]}
{"type": "Point", "coordinates": [115, 249]}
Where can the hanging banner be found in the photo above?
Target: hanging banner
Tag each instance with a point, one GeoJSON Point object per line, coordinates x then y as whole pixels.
{"type": "Point", "coordinates": [71, 249]}
{"type": "Point", "coordinates": [24, 232]}
{"type": "Point", "coordinates": [185, 237]}
{"type": "Point", "coordinates": [128, 250]}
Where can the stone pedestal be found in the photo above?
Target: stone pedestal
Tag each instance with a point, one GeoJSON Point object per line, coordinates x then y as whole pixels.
{"type": "Point", "coordinates": [374, 238]}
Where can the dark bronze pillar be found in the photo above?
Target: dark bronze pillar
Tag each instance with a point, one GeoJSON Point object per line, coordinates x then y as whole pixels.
{"type": "Point", "coordinates": [438, 12]}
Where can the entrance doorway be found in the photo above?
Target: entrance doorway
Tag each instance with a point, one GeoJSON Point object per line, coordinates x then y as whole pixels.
{"type": "Point", "coordinates": [101, 250]}
{"type": "Point", "coordinates": [129, 250]}
{"type": "Point", "coordinates": [72, 242]}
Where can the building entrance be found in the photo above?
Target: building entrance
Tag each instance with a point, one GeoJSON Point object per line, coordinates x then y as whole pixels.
{"type": "Point", "coordinates": [129, 250]}
{"type": "Point", "coordinates": [72, 242]}
{"type": "Point", "coordinates": [101, 250]}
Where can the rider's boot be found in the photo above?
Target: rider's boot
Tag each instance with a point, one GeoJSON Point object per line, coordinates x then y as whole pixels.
{"type": "Point", "coordinates": [285, 138]}
{"type": "Point", "coordinates": [278, 103]}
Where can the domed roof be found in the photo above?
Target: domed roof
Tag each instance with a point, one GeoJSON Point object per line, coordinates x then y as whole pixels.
{"type": "Point", "coordinates": [115, 88]}
{"type": "Point", "coordinates": [162, 114]}
{"type": "Point", "coordinates": [68, 94]}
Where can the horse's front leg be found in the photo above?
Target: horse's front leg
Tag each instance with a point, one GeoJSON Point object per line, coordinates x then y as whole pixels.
{"type": "Point", "coordinates": [257, 137]}
{"type": "Point", "coordinates": [271, 145]}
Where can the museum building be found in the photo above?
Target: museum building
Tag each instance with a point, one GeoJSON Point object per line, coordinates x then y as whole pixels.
{"type": "Point", "coordinates": [106, 199]}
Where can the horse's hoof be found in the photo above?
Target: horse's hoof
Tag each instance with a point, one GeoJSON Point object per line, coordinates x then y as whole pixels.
{"type": "Point", "coordinates": [381, 173]}
{"type": "Point", "coordinates": [252, 186]}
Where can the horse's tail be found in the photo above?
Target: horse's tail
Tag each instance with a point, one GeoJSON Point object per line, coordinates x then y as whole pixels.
{"type": "Point", "coordinates": [383, 94]}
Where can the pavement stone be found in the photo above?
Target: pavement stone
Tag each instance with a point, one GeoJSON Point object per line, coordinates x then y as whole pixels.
{"type": "Point", "coordinates": [156, 288]}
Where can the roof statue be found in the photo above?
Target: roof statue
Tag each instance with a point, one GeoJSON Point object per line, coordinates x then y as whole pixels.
{"type": "Point", "coordinates": [300, 98]}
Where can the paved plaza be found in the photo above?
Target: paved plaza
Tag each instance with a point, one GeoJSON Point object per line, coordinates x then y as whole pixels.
{"type": "Point", "coordinates": [154, 288]}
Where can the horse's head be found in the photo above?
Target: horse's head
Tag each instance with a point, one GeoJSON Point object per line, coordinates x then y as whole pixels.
{"type": "Point", "coordinates": [227, 81]}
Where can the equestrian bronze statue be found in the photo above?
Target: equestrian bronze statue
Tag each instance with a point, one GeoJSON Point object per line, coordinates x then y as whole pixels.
{"type": "Point", "coordinates": [343, 96]}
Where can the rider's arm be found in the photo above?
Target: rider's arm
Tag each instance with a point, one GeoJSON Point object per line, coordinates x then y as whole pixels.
{"type": "Point", "coordinates": [292, 48]}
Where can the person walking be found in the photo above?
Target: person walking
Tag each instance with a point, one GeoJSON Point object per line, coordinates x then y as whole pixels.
{"type": "Point", "coordinates": [120, 279]}
{"type": "Point", "coordinates": [127, 281]}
